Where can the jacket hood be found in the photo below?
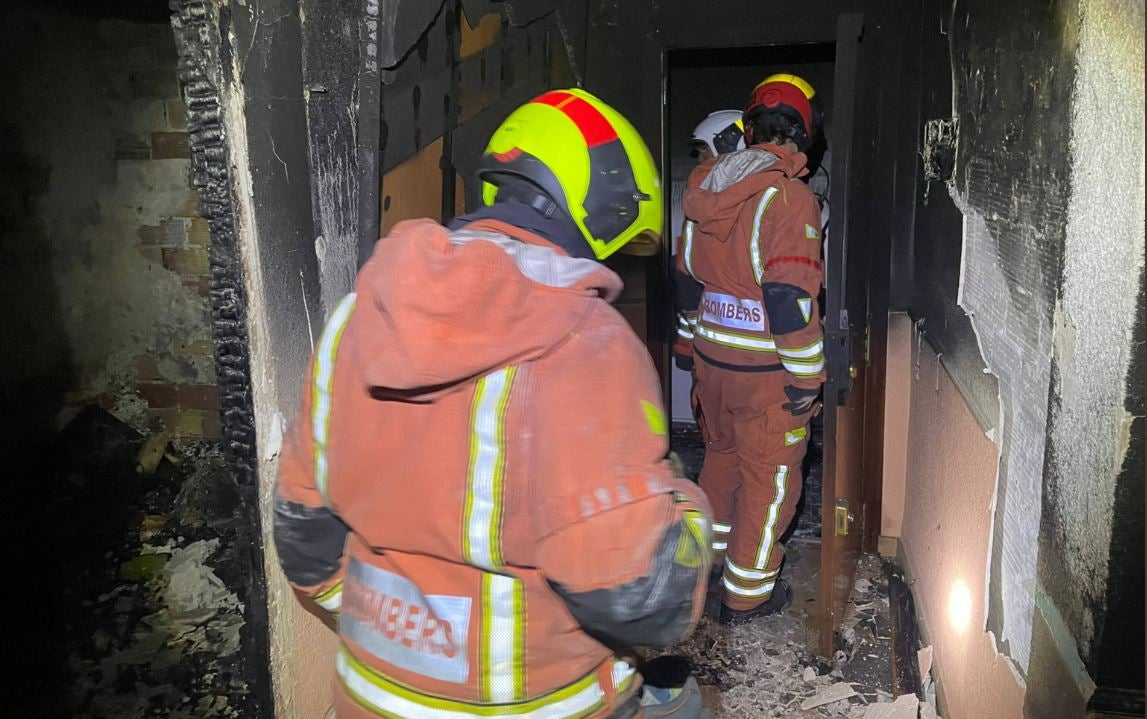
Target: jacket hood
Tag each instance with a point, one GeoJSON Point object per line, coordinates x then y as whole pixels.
{"type": "Point", "coordinates": [436, 308]}
{"type": "Point", "coordinates": [718, 188]}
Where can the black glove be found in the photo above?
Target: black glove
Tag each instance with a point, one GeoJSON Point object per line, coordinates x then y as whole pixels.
{"type": "Point", "coordinates": [801, 399]}
{"type": "Point", "coordinates": [684, 363]}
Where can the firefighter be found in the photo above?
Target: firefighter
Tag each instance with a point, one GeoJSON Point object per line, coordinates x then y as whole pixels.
{"type": "Point", "coordinates": [477, 482]}
{"type": "Point", "coordinates": [753, 243]}
{"type": "Point", "coordinates": [720, 132]}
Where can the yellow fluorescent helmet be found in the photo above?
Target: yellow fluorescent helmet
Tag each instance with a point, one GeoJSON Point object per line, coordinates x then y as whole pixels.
{"type": "Point", "coordinates": [588, 158]}
{"type": "Point", "coordinates": [795, 80]}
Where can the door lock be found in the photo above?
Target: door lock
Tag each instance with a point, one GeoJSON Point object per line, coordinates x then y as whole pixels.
{"type": "Point", "coordinates": [844, 518]}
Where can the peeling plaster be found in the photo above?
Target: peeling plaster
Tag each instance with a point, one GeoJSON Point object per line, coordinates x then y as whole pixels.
{"type": "Point", "coordinates": [1103, 269]}
{"type": "Point", "coordinates": [1022, 364]}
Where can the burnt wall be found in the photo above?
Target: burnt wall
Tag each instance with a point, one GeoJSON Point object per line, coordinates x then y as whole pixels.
{"type": "Point", "coordinates": [1032, 314]}
{"type": "Point", "coordinates": [106, 271]}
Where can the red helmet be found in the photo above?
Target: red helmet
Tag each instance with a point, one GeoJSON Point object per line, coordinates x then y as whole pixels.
{"type": "Point", "coordinates": [787, 95]}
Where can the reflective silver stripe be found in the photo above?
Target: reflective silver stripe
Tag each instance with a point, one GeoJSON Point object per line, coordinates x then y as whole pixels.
{"type": "Point", "coordinates": [721, 528]}
{"type": "Point", "coordinates": [324, 376]}
{"type": "Point", "coordinates": [504, 626]}
{"type": "Point", "coordinates": [621, 673]}
{"type": "Point", "coordinates": [391, 699]}
{"type": "Point", "coordinates": [684, 333]}
{"type": "Point", "coordinates": [747, 573]}
{"type": "Point", "coordinates": [755, 240]}
{"type": "Point", "coordinates": [760, 591]}
{"type": "Point", "coordinates": [804, 369]}
{"type": "Point", "coordinates": [482, 544]}
{"type": "Point", "coordinates": [720, 546]}
{"type": "Point", "coordinates": [761, 344]}
{"type": "Point", "coordinates": [331, 601]}
{"type": "Point", "coordinates": [767, 536]}
{"type": "Point", "coordinates": [688, 249]}
{"type": "Point", "coordinates": [816, 349]}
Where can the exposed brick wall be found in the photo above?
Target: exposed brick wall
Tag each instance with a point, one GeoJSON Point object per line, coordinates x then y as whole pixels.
{"type": "Point", "coordinates": [110, 239]}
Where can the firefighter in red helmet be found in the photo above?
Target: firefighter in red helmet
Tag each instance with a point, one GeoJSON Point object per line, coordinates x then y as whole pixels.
{"type": "Point", "coordinates": [755, 247]}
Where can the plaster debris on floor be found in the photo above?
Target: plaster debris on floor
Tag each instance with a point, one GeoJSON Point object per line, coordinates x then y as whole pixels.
{"type": "Point", "coordinates": [151, 621]}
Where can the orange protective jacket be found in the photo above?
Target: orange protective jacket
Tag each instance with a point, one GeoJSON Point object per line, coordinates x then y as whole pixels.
{"type": "Point", "coordinates": [476, 484]}
{"type": "Point", "coordinates": [752, 241]}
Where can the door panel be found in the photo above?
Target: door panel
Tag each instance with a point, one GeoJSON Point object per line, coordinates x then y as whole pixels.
{"type": "Point", "coordinates": [845, 332]}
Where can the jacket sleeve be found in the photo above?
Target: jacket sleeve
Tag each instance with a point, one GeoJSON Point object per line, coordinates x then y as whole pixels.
{"type": "Point", "coordinates": [310, 538]}
{"type": "Point", "coordinates": [627, 548]}
{"type": "Point", "coordinates": [791, 278]}
{"type": "Point", "coordinates": [687, 294]}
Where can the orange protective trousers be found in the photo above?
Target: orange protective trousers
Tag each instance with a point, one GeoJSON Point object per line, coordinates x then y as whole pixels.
{"type": "Point", "coordinates": [754, 449]}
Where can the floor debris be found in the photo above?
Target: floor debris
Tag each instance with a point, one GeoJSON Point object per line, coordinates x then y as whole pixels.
{"type": "Point", "coordinates": [150, 620]}
{"type": "Point", "coordinates": [770, 668]}
{"type": "Point", "coordinates": [905, 707]}
{"type": "Point", "coordinates": [829, 695]}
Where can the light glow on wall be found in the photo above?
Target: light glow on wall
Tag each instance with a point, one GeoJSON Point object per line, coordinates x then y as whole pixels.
{"type": "Point", "coordinates": [960, 606]}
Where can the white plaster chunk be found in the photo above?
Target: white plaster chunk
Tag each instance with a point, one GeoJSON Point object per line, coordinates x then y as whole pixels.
{"type": "Point", "coordinates": [831, 694]}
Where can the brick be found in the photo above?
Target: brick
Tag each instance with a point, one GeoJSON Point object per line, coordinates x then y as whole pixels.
{"type": "Point", "coordinates": [199, 285]}
{"type": "Point", "coordinates": [190, 261]}
{"type": "Point", "coordinates": [159, 84]}
{"type": "Point", "coordinates": [158, 395]}
{"type": "Point", "coordinates": [190, 206]}
{"type": "Point", "coordinates": [132, 148]}
{"type": "Point", "coordinates": [170, 232]}
{"type": "Point", "coordinates": [198, 396]}
{"type": "Point", "coordinates": [176, 112]}
{"type": "Point", "coordinates": [199, 348]}
{"type": "Point", "coordinates": [199, 233]}
{"type": "Point", "coordinates": [170, 146]}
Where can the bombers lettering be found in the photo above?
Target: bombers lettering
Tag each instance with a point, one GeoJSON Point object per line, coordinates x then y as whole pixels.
{"type": "Point", "coordinates": [729, 311]}
{"type": "Point", "coordinates": [411, 625]}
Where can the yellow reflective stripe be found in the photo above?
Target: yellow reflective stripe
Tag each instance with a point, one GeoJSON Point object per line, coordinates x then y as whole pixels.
{"type": "Point", "coordinates": [502, 672]}
{"type": "Point", "coordinates": [749, 574]}
{"type": "Point", "coordinates": [809, 351]}
{"type": "Point", "coordinates": [795, 436]}
{"type": "Point", "coordinates": [323, 387]}
{"type": "Point", "coordinates": [688, 249]}
{"type": "Point", "coordinates": [736, 341]}
{"type": "Point", "coordinates": [332, 599]}
{"type": "Point", "coordinates": [655, 418]}
{"type": "Point", "coordinates": [755, 240]}
{"type": "Point", "coordinates": [391, 699]}
{"type": "Point", "coordinates": [765, 548]}
{"type": "Point", "coordinates": [482, 513]}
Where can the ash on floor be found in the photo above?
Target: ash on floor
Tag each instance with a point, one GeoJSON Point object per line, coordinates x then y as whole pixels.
{"type": "Point", "coordinates": [770, 667]}
{"type": "Point", "coordinates": [148, 544]}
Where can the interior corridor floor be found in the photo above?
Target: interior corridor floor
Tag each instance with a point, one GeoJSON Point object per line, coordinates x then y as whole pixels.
{"type": "Point", "coordinates": [770, 667]}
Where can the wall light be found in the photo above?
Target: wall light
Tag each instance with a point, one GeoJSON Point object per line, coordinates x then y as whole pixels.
{"type": "Point", "coordinates": [960, 606]}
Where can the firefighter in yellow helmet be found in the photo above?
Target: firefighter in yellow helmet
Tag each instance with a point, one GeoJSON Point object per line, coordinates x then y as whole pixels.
{"type": "Point", "coordinates": [753, 243]}
{"type": "Point", "coordinates": [477, 483]}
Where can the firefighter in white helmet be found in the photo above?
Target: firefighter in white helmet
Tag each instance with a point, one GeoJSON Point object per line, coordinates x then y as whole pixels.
{"type": "Point", "coordinates": [720, 132]}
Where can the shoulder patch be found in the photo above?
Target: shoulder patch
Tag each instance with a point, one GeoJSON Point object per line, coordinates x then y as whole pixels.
{"type": "Point", "coordinates": [811, 232]}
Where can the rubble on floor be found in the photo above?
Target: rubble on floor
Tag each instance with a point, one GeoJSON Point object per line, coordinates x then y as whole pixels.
{"type": "Point", "coordinates": [770, 668]}
{"type": "Point", "coordinates": [150, 538]}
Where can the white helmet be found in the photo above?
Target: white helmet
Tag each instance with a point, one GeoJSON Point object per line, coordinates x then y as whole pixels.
{"type": "Point", "coordinates": [722, 131]}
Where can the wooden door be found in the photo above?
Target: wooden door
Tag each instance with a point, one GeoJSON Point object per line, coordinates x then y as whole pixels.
{"type": "Point", "coordinates": [846, 332]}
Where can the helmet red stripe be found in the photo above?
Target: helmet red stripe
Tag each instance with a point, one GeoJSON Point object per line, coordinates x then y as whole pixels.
{"type": "Point", "coordinates": [593, 126]}
{"type": "Point", "coordinates": [775, 94]}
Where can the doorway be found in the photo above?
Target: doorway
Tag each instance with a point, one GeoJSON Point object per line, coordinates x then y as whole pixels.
{"type": "Point", "coordinates": [699, 81]}
{"type": "Point", "coordinates": [704, 80]}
